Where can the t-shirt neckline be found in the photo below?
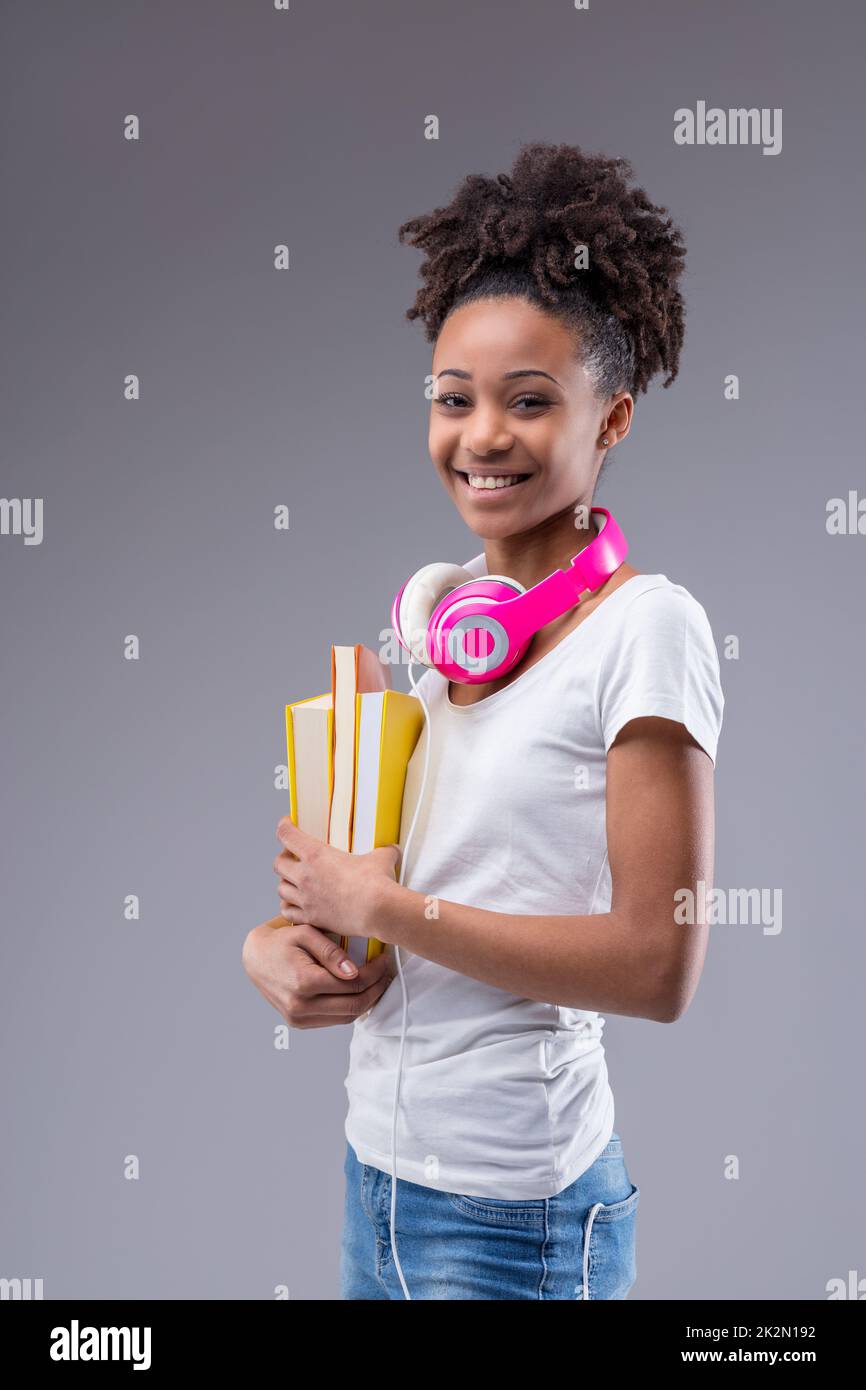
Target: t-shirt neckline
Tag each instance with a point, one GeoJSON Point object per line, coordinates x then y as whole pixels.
{"type": "Point", "coordinates": [525, 678]}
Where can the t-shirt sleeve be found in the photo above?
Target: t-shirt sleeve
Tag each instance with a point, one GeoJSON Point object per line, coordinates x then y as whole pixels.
{"type": "Point", "coordinates": [662, 660]}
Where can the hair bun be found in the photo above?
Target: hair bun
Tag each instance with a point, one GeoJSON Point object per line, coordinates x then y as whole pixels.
{"type": "Point", "coordinates": [518, 233]}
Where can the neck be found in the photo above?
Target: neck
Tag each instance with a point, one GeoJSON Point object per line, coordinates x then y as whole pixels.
{"type": "Point", "coordinates": [530, 556]}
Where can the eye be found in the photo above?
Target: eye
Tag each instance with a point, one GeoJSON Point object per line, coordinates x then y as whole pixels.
{"type": "Point", "coordinates": [456, 398]}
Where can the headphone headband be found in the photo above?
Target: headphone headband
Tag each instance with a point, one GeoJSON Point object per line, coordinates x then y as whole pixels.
{"type": "Point", "coordinates": [563, 589]}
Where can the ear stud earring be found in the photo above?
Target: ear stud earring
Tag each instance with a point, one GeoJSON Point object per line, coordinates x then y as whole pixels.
{"type": "Point", "coordinates": [605, 441]}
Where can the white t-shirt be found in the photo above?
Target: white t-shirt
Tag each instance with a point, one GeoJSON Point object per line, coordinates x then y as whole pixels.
{"type": "Point", "coordinates": [503, 1096]}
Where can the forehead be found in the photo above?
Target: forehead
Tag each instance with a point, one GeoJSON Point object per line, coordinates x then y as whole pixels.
{"type": "Point", "coordinates": [489, 336]}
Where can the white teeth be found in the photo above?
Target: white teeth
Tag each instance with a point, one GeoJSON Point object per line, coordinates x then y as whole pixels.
{"type": "Point", "coordinates": [477, 480]}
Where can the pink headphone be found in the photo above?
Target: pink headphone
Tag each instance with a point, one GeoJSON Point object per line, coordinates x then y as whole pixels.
{"type": "Point", "coordinates": [439, 606]}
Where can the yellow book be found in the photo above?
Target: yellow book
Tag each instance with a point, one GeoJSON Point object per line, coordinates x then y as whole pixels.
{"type": "Point", "coordinates": [387, 727]}
{"type": "Point", "coordinates": [310, 749]}
{"type": "Point", "coordinates": [380, 730]}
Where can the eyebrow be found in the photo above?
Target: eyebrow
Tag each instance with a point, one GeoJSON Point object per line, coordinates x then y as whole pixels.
{"type": "Point", "coordinates": [507, 376]}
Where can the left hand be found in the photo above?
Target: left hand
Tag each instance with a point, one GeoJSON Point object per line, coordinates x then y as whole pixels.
{"type": "Point", "coordinates": [331, 888]}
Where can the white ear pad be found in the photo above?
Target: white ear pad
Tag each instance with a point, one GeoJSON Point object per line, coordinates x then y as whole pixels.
{"type": "Point", "coordinates": [420, 596]}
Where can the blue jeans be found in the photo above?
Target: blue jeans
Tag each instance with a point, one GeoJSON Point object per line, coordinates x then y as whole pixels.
{"type": "Point", "coordinates": [578, 1244]}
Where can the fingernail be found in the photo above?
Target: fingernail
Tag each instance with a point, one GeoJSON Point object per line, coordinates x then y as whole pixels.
{"type": "Point", "coordinates": [348, 968]}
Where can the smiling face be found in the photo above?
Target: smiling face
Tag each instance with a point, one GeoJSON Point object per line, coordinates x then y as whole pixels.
{"type": "Point", "coordinates": [514, 402]}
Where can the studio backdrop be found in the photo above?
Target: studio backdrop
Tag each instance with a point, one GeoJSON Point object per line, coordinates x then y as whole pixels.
{"type": "Point", "coordinates": [215, 466]}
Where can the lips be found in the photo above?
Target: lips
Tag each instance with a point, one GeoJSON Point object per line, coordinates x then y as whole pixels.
{"type": "Point", "coordinates": [490, 485]}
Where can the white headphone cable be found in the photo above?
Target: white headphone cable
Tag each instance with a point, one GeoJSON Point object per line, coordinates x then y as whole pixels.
{"type": "Point", "coordinates": [403, 862]}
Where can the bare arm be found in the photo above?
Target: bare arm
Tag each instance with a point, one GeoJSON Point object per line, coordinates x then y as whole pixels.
{"type": "Point", "coordinates": [635, 959]}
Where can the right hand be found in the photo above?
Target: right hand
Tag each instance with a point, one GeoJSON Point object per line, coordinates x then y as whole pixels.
{"type": "Point", "coordinates": [297, 969]}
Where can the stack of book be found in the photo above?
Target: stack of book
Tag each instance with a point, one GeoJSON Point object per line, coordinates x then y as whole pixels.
{"type": "Point", "coordinates": [348, 751]}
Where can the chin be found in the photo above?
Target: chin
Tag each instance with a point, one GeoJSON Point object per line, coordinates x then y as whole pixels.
{"type": "Point", "coordinates": [488, 529]}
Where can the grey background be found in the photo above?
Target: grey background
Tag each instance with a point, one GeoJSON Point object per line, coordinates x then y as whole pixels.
{"type": "Point", "coordinates": [306, 388]}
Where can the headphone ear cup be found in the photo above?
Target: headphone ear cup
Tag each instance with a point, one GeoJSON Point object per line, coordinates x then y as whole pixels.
{"type": "Point", "coordinates": [504, 579]}
{"type": "Point", "coordinates": [421, 593]}
{"type": "Point", "coordinates": [469, 608]}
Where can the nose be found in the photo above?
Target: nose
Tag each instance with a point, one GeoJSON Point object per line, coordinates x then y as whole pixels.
{"type": "Point", "coordinates": [486, 433]}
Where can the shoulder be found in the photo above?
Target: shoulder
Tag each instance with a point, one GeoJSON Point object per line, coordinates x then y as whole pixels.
{"type": "Point", "coordinates": [660, 658]}
{"type": "Point", "coordinates": [657, 592]}
{"type": "Point", "coordinates": [652, 603]}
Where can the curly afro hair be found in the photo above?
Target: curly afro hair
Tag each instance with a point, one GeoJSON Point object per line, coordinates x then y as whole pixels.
{"type": "Point", "coordinates": [518, 234]}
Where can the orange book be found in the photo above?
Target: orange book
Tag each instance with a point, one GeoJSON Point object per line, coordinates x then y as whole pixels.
{"type": "Point", "coordinates": [354, 671]}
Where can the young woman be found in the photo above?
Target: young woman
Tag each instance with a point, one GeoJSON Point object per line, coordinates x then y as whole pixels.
{"type": "Point", "coordinates": [567, 803]}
